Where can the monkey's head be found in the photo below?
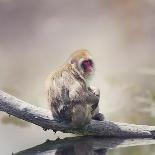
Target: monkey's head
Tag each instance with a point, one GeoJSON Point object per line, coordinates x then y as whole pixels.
{"type": "Point", "coordinates": [83, 62]}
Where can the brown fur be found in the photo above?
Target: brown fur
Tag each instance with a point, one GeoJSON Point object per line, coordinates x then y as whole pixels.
{"type": "Point", "coordinates": [77, 55]}
{"type": "Point", "coordinates": [69, 96]}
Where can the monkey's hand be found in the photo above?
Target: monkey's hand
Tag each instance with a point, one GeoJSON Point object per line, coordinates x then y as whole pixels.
{"type": "Point", "coordinates": [94, 90]}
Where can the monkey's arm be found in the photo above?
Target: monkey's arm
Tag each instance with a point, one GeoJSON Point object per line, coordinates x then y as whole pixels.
{"type": "Point", "coordinates": [95, 107]}
{"type": "Point", "coordinates": [96, 115]}
{"type": "Point", "coordinates": [83, 95]}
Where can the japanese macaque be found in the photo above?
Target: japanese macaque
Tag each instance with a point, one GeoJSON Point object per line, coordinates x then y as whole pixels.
{"type": "Point", "coordinates": [69, 94]}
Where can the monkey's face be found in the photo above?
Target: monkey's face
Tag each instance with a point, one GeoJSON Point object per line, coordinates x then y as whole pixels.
{"type": "Point", "coordinates": [83, 62]}
{"type": "Point", "coordinates": [87, 67]}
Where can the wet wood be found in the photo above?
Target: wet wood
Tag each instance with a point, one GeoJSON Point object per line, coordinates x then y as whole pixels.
{"type": "Point", "coordinates": [43, 118]}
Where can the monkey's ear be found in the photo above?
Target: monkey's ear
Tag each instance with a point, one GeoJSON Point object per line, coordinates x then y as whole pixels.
{"type": "Point", "coordinates": [72, 61]}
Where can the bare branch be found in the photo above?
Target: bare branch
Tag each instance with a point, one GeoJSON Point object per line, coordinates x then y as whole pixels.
{"type": "Point", "coordinates": [43, 118]}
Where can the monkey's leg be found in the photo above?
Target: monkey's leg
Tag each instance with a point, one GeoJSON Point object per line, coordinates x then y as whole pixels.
{"type": "Point", "coordinates": [95, 113]}
{"type": "Point", "coordinates": [81, 115]}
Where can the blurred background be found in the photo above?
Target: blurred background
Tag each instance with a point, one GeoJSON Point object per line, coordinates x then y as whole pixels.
{"type": "Point", "coordinates": [36, 36]}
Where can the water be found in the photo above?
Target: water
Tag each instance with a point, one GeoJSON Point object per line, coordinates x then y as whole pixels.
{"type": "Point", "coordinates": [33, 140]}
{"type": "Point", "coordinates": [92, 146]}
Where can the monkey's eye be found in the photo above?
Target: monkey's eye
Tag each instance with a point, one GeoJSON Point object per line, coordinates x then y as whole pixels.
{"type": "Point", "coordinates": [87, 64]}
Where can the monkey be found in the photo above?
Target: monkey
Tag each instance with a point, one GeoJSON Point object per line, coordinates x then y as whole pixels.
{"type": "Point", "coordinates": [69, 93]}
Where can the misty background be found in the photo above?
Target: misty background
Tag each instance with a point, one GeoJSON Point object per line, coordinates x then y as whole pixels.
{"type": "Point", "coordinates": [36, 36]}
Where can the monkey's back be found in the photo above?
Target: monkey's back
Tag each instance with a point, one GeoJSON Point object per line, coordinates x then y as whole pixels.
{"type": "Point", "coordinates": [56, 89]}
{"type": "Point", "coordinates": [62, 89]}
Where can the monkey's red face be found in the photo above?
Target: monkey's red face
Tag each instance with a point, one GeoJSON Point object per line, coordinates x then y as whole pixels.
{"type": "Point", "coordinates": [87, 66]}
{"type": "Point", "coordinates": [83, 62]}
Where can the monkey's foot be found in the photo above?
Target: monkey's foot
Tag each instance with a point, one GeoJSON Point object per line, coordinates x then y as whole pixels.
{"type": "Point", "coordinates": [98, 117]}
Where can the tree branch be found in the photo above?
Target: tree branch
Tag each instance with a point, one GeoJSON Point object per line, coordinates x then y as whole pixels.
{"type": "Point", "coordinates": [43, 118]}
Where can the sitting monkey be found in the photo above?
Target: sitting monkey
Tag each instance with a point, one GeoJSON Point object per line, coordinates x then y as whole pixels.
{"type": "Point", "coordinates": [70, 97]}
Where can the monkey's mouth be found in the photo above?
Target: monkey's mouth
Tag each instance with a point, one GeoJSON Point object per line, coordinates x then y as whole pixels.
{"type": "Point", "coordinates": [88, 70]}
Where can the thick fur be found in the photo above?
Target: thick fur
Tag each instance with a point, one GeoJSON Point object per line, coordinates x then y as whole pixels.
{"type": "Point", "coordinates": [69, 96]}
